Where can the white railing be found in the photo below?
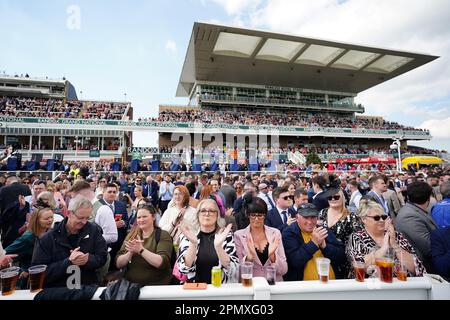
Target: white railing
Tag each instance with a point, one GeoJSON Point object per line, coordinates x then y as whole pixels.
{"type": "Point", "coordinates": [421, 288]}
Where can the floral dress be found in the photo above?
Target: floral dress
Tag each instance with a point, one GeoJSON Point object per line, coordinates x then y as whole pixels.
{"type": "Point", "coordinates": [361, 244]}
{"type": "Point", "coordinates": [342, 229]}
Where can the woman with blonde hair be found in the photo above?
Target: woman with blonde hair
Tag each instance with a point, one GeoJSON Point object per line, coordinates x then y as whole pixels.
{"type": "Point", "coordinates": [59, 199]}
{"type": "Point", "coordinates": [40, 222]}
{"type": "Point", "coordinates": [212, 246]}
{"type": "Point", "coordinates": [337, 217]}
{"type": "Point", "coordinates": [377, 237]}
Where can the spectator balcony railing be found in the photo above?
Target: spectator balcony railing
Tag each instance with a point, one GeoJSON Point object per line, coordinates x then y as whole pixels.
{"type": "Point", "coordinates": [282, 102]}
{"type": "Point", "coordinates": [8, 122]}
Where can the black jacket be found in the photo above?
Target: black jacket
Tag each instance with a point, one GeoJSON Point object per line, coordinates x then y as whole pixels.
{"type": "Point", "coordinates": [153, 188]}
{"type": "Point", "coordinates": [12, 218]}
{"type": "Point", "coordinates": [320, 201]}
{"type": "Point", "coordinates": [53, 249]}
{"type": "Point", "coordinates": [10, 194]}
{"type": "Point", "coordinates": [273, 219]}
{"type": "Point", "coordinates": [230, 195]}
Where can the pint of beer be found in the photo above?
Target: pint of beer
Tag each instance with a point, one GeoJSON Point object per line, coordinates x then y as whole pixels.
{"type": "Point", "coordinates": [247, 274]}
{"type": "Point", "coordinates": [9, 279]}
{"type": "Point", "coordinates": [402, 272]}
{"type": "Point", "coordinates": [37, 276]}
{"type": "Point", "coordinates": [359, 268]}
{"type": "Point", "coordinates": [323, 269]}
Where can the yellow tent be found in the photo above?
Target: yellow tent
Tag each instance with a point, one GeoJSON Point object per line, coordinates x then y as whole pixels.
{"type": "Point", "coordinates": [421, 160]}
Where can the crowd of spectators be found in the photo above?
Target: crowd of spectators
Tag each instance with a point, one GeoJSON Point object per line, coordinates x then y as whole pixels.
{"type": "Point", "coordinates": [54, 108]}
{"type": "Point", "coordinates": [400, 215]}
{"type": "Point", "coordinates": [274, 117]}
{"type": "Point", "coordinates": [165, 149]}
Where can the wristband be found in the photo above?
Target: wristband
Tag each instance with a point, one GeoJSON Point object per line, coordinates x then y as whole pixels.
{"type": "Point", "coordinates": [140, 252]}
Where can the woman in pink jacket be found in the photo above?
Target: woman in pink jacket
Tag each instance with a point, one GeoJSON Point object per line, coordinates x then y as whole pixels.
{"type": "Point", "coordinates": [259, 243]}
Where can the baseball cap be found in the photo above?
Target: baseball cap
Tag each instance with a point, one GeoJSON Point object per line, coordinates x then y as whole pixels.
{"type": "Point", "coordinates": [308, 210]}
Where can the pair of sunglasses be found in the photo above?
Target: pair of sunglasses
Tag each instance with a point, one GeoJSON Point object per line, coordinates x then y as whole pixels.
{"type": "Point", "coordinates": [288, 197]}
{"type": "Point", "coordinates": [335, 197]}
{"type": "Point", "coordinates": [377, 218]}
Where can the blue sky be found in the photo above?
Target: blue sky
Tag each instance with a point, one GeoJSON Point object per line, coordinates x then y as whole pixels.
{"type": "Point", "coordinates": [138, 47]}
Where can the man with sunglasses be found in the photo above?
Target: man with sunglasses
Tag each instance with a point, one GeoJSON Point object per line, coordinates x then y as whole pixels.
{"type": "Point", "coordinates": [75, 241]}
{"type": "Point", "coordinates": [304, 242]}
{"type": "Point", "coordinates": [266, 196]}
{"type": "Point", "coordinates": [279, 216]}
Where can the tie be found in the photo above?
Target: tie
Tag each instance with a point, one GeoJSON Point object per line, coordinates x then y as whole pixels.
{"type": "Point", "coordinates": [284, 214]}
{"type": "Point", "coordinates": [270, 201]}
{"type": "Point", "coordinates": [111, 206]}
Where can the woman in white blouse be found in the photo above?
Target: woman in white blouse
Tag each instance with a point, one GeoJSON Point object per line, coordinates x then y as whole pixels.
{"type": "Point", "coordinates": [179, 212]}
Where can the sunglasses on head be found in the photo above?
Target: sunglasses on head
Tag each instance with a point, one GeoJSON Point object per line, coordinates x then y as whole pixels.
{"type": "Point", "coordinates": [335, 197]}
{"type": "Point", "coordinates": [147, 206]}
{"type": "Point", "coordinates": [377, 218]}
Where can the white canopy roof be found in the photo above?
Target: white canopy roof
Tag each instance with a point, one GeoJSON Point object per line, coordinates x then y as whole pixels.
{"type": "Point", "coordinates": [229, 54]}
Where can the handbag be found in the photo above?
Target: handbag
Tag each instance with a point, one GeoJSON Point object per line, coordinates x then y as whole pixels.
{"type": "Point", "coordinates": [177, 222]}
{"type": "Point", "coordinates": [177, 274]}
{"type": "Point", "coordinates": [175, 271]}
{"type": "Point", "coordinates": [121, 288]}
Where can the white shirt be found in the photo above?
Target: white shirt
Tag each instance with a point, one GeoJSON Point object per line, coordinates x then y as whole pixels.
{"type": "Point", "coordinates": [264, 196]}
{"type": "Point", "coordinates": [281, 216]}
{"type": "Point", "coordinates": [170, 215]}
{"type": "Point", "coordinates": [105, 219]}
{"type": "Point", "coordinates": [355, 198]}
{"type": "Point", "coordinates": [2, 252]}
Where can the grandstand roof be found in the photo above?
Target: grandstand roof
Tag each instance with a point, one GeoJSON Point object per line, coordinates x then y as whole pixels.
{"type": "Point", "coordinates": [229, 54]}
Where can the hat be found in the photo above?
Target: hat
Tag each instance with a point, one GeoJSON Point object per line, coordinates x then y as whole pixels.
{"type": "Point", "coordinates": [331, 192]}
{"type": "Point", "coordinates": [308, 210]}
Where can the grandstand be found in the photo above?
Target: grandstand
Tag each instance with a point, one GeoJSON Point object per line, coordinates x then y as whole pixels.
{"type": "Point", "coordinates": [44, 118]}
{"type": "Point", "coordinates": [244, 82]}
{"type": "Point", "coordinates": [297, 93]}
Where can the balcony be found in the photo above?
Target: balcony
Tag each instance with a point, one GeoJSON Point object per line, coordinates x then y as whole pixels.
{"type": "Point", "coordinates": [217, 98]}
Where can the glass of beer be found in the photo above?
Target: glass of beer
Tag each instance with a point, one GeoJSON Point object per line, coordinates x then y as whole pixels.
{"type": "Point", "coordinates": [9, 278]}
{"type": "Point", "coordinates": [402, 272]}
{"type": "Point", "coordinates": [386, 266]}
{"type": "Point", "coordinates": [271, 275]}
{"type": "Point", "coordinates": [36, 277]}
{"type": "Point", "coordinates": [360, 270]}
{"type": "Point", "coordinates": [247, 274]}
{"type": "Point", "coordinates": [323, 269]}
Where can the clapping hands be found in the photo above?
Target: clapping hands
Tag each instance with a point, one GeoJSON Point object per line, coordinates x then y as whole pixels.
{"type": "Point", "coordinates": [134, 245]}
{"type": "Point", "coordinates": [221, 236]}
{"type": "Point", "coordinates": [188, 234]}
